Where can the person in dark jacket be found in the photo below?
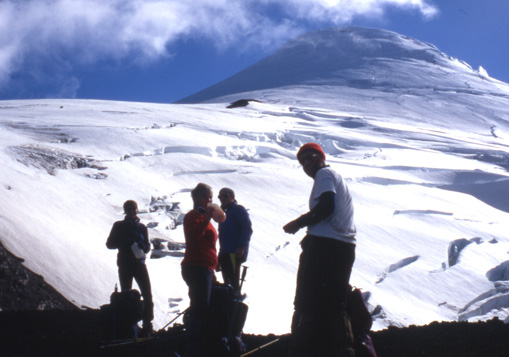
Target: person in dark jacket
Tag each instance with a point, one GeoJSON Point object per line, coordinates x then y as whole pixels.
{"type": "Point", "coordinates": [234, 237]}
{"type": "Point", "coordinates": [123, 236]}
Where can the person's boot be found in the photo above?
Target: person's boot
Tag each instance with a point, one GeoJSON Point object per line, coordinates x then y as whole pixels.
{"type": "Point", "coordinates": [147, 329]}
{"type": "Point", "coordinates": [194, 337]}
{"type": "Point", "coordinates": [302, 341]}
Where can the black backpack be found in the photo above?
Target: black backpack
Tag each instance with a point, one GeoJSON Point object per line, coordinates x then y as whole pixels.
{"type": "Point", "coordinates": [120, 318]}
{"type": "Point", "coordinates": [361, 322]}
{"type": "Point", "coordinates": [223, 324]}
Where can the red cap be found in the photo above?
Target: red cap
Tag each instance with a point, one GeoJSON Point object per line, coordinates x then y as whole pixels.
{"type": "Point", "coordinates": [311, 147]}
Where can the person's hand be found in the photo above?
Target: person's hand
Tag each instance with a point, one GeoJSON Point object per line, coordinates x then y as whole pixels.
{"type": "Point", "coordinates": [239, 253]}
{"type": "Point", "coordinates": [218, 267]}
{"type": "Point", "coordinates": [291, 227]}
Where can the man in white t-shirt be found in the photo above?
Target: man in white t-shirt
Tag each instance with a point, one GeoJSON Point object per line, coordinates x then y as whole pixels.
{"type": "Point", "coordinates": [319, 325]}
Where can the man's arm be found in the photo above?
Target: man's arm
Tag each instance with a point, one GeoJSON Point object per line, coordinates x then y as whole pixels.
{"type": "Point", "coordinates": [112, 241]}
{"type": "Point", "coordinates": [322, 210]}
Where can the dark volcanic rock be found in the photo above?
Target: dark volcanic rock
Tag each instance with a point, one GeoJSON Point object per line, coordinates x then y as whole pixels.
{"type": "Point", "coordinates": [50, 333]}
{"type": "Point", "coordinates": [488, 338]}
{"type": "Point", "coordinates": [77, 333]}
{"type": "Point", "coordinates": [22, 289]}
{"type": "Point", "coordinates": [241, 103]}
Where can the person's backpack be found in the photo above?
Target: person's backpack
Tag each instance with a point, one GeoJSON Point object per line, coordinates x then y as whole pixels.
{"type": "Point", "coordinates": [224, 322]}
{"type": "Point", "coordinates": [361, 322]}
{"type": "Point", "coordinates": [120, 318]}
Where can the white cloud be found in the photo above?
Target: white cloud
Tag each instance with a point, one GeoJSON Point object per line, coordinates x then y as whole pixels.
{"type": "Point", "coordinates": [80, 32]}
{"type": "Point", "coordinates": [342, 11]}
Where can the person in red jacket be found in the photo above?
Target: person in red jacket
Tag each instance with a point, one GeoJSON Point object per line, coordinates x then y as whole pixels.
{"type": "Point", "coordinates": [200, 261]}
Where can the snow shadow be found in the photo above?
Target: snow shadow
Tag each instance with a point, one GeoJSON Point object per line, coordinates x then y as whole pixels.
{"type": "Point", "coordinates": [421, 211]}
{"type": "Point", "coordinates": [396, 266]}
{"type": "Point", "coordinates": [204, 172]}
{"type": "Point", "coordinates": [240, 152]}
{"type": "Point", "coordinates": [490, 188]}
{"type": "Point", "coordinates": [494, 299]}
{"type": "Point", "coordinates": [455, 248]}
{"type": "Point", "coordinates": [49, 134]}
{"type": "Point", "coordinates": [499, 273]}
{"type": "Point", "coordinates": [156, 254]}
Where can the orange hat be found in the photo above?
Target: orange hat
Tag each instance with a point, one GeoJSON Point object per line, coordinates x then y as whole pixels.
{"type": "Point", "coordinates": [311, 147]}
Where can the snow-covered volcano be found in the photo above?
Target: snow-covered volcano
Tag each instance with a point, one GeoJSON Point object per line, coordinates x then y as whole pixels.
{"type": "Point", "coordinates": [350, 57]}
{"type": "Point", "coordinates": [421, 138]}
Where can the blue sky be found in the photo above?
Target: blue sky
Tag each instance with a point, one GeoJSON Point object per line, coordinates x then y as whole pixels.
{"type": "Point", "coordinates": [164, 50]}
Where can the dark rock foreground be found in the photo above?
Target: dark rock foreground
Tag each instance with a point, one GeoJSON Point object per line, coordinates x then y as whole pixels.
{"type": "Point", "coordinates": [78, 333]}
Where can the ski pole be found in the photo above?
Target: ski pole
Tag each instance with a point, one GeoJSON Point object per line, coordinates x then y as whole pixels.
{"type": "Point", "coordinates": [237, 301]}
{"type": "Point", "coordinates": [178, 315]}
{"type": "Point", "coordinates": [244, 271]}
{"type": "Point", "coordinates": [259, 348]}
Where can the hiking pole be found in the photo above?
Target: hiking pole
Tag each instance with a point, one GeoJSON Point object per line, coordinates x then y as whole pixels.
{"type": "Point", "coordinates": [237, 301]}
{"type": "Point", "coordinates": [244, 271]}
{"type": "Point", "coordinates": [178, 315]}
{"type": "Point", "coordinates": [259, 348]}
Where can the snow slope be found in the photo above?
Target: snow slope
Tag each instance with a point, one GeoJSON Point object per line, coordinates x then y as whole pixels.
{"type": "Point", "coordinates": [421, 138]}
